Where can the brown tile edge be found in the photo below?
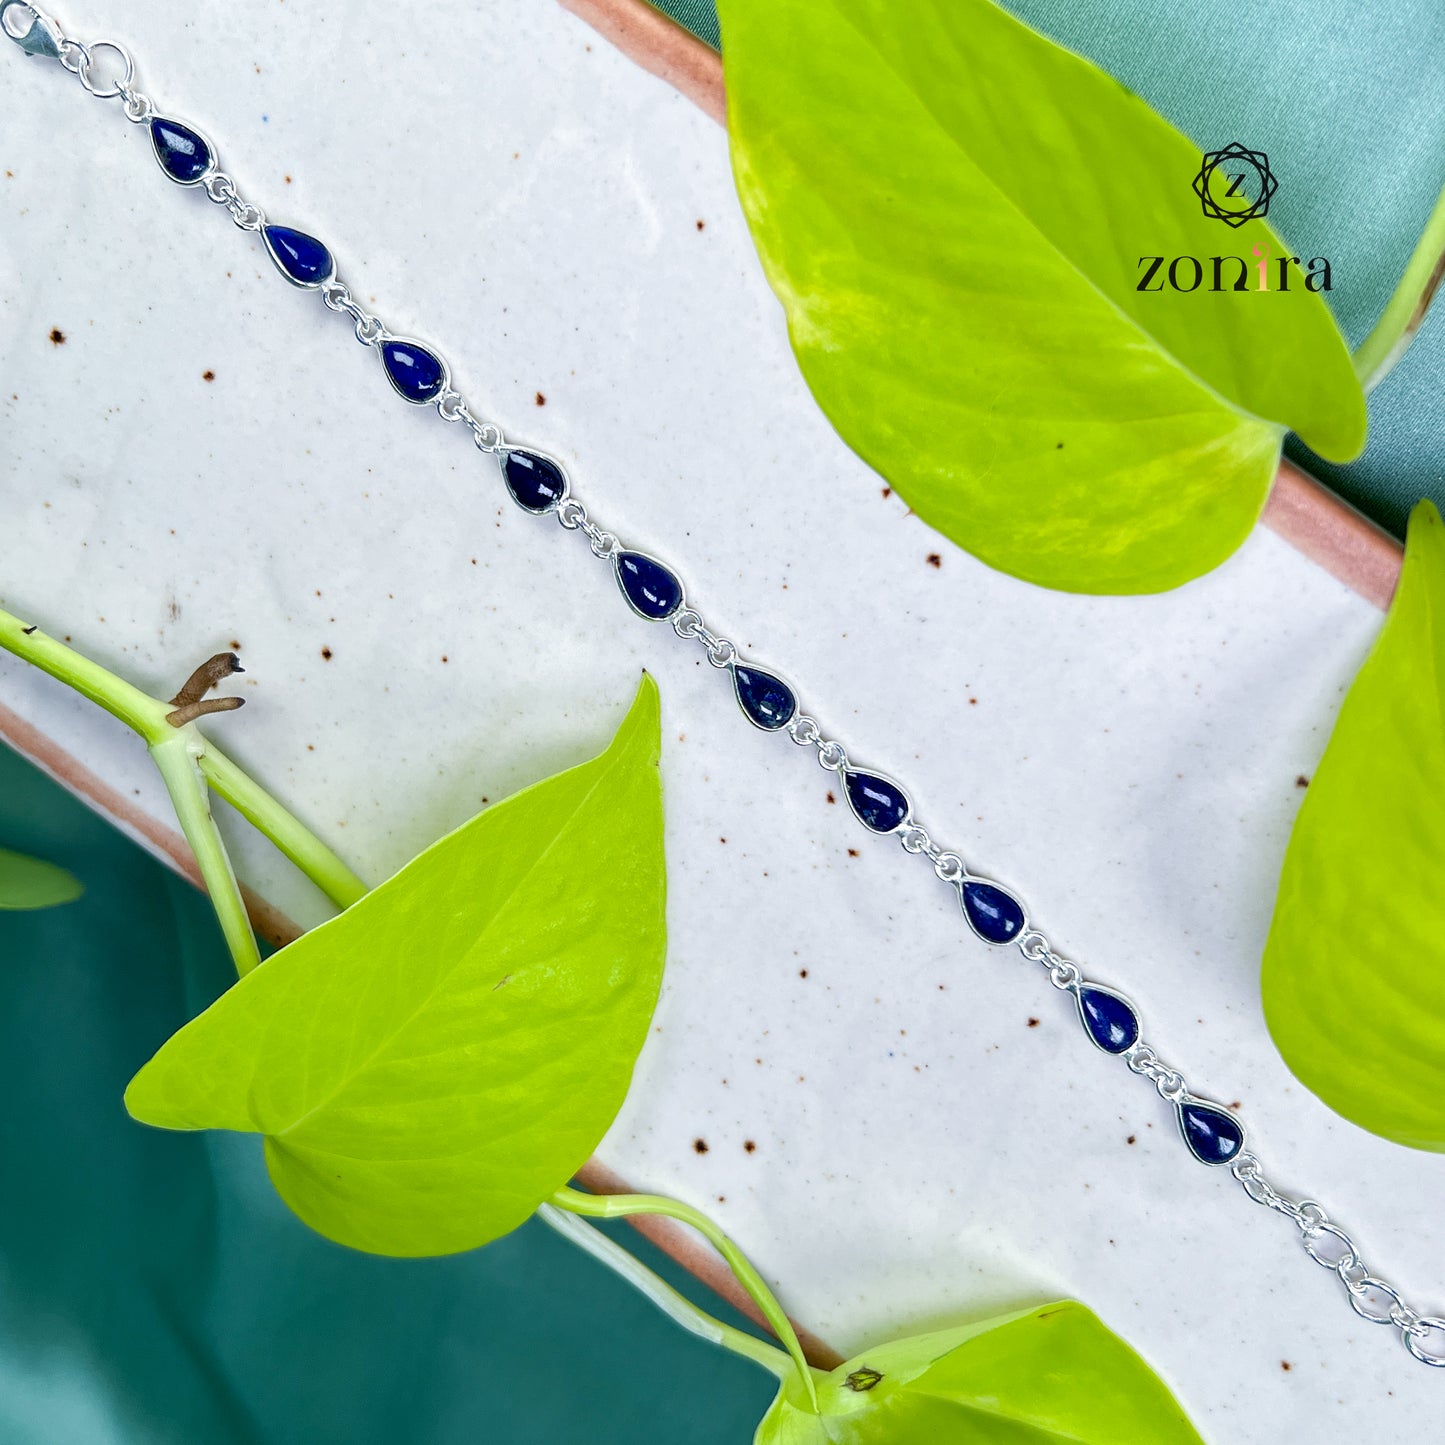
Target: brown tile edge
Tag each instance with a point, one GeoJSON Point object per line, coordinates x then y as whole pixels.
{"type": "Point", "coordinates": [660, 45]}
{"type": "Point", "coordinates": [699, 1259]}
{"type": "Point", "coordinates": [1307, 515]}
{"type": "Point", "coordinates": [165, 843]}
{"type": "Point", "coordinates": [1348, 545]}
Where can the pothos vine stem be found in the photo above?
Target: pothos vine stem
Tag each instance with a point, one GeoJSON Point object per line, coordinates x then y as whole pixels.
{"type": "Point", "coordinates": [187, 763]}
{"type": "Point", "coordinates": [675, 1305]}
{"type": "Point", "coordinates": [178, 761]}
{"type": "Point", "coordinates": [620, 1206]}
{"type": "Point", "coordinates": [323, 867]}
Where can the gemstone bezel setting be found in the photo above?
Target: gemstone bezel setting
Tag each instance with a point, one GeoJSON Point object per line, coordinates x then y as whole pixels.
{"type": "Point", "coordinates": [505, 454]}
{"type": "Point", "coordinates": [851, 773]}
{"type": "Point", "coordinates": [662, 567]}
{"type": "Point", "coordinates": [385, 340]}
{"type": "Point", "coordinates": [285, 271]}
{"type": "Point", "coordinates": [970, 881]}
{"type": "Point", "coordinates": [736, 666]}
{"type": "Point", "coordinates": [1098, 988]}
{"type": "Point", "coordinates": [1185, 1101]}
{"type": "Point", "coordinates": [202, 139]}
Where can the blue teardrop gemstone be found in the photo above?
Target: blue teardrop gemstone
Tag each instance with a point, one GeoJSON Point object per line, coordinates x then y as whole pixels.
{"type": "Point", "coordinates": [879, 803]}
{"type": "Point", "coordinates": [300, 258]}
{"type": "Point", "coordinates": [1110, 1020]}
{"type": "Point", "coordinates": [535, 482]}
{"type": "Point", "coordinates": [418, 374]}
{"type": "Point", "coordinates": [767, 700]}
{"type": "Point", "coordinates": [651, 589]}
{"type": "Point", "coordinates": [185, 155]}
{"type": "Point", "coordinates": [992, 914]}
{"type": "Point", "coordinates": [1213, 1135]}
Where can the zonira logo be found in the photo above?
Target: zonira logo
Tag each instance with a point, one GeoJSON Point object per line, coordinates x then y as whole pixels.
{"type": "Point", "coordinates": [1232, 273]}
{"type": "Point", "coordinates": [1234, 185]}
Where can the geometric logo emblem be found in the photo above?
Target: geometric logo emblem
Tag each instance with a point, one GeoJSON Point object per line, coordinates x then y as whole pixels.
{"type": "Point", "coordinates": [1234, 185]}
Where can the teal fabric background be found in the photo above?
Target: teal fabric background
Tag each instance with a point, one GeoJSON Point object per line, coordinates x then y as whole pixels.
{"type": "Point", "coordinates": [700, 16]}
{"type": "Point", "coordinates": [1348, 100]}
{"type": "Point", "coordinates": [155, 1291]}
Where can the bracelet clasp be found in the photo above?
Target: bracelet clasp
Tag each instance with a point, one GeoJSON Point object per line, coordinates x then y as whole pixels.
{"type": "Point", "coordinates": [40, 35]}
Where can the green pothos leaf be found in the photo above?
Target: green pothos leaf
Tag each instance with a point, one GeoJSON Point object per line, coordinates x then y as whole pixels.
{"type": "Point", "coordinates": [431, 1065]}
{"type": "Point", "coordinates": [1351, 967]}
{"type": "Point", "coordinates": [1054, 1373]}
{"type": "Point", "coordinates": [29, 883]}
{"type": "Point", "coordinates": [956, 214]}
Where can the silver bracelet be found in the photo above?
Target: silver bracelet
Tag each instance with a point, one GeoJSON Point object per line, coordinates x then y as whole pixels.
{"type": "Point", "coordinates": [539, 484]}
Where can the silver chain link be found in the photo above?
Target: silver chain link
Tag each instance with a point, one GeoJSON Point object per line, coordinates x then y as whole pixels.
{"type": "Point", "coordinates": [336, 295]}
{"type": "Point", "coordinates": [1370, 1296]}
{"type": "Point", "coordinates": [220, 188]}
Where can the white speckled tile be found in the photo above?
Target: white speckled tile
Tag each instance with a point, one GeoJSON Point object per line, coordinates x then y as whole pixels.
{"type": "Point", "coordinates": [507, 186]}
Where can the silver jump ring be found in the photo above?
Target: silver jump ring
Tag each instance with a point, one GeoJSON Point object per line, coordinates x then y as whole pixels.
{"type": "Point", "coordinates": [118, 87]}
{"type": "Point", "coordinates": [571, 514]}
{"type": "Point", "coordinates": [1066, 975]}
{"type": "Point", "coordinates": [949, 867]}
{"type": "Point", "coordinates": [138, 107]}
{"type": "Point", "coordinates": [804, 731]}
{"type": "Point", "coordinates": [247, 215]}
{"type": "Point", "coordinates": [487, 436]}
{"type": "Point", "coordinates": [1034, 946]}
{"type": "Point", "coordinates": [74, 48]}
{"type": "Point", "coordinates": [687, 623]}
{"type": "Point", "coordinates": [222, 190]}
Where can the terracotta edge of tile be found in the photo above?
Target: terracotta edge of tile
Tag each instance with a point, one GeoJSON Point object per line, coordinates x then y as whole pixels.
{"type": "Point", "coordinates": [660, 45]}
{"type": "Point", "coordinates": [1333, 535]}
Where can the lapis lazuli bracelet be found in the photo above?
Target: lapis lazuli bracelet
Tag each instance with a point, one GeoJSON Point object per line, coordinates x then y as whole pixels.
{"type": "Point", "coordinates": [538, 484]}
